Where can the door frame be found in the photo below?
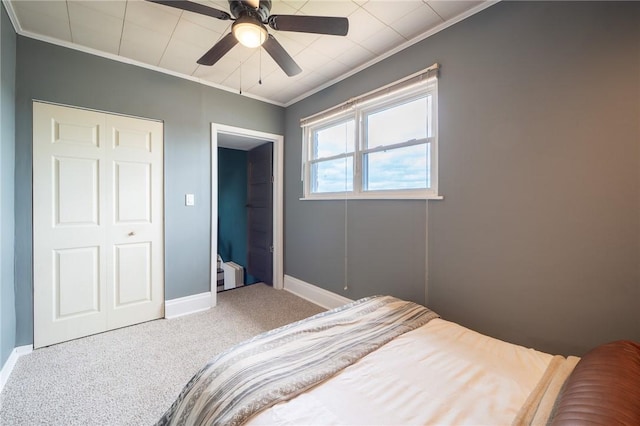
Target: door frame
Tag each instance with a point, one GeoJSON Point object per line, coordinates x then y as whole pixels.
{"type": "Point", "coordinates": [278, 197]}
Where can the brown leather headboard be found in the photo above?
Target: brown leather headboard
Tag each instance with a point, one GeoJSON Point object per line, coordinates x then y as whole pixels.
{"type": "Point", "coordinates": [603, 389]}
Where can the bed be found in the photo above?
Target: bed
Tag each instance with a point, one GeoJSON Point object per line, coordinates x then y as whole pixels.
{"type": "Point", "coordinates": [382, 360]}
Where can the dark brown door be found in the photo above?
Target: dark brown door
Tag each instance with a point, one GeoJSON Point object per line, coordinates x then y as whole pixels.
{"type": "Point", "coordinates": [260, 213]}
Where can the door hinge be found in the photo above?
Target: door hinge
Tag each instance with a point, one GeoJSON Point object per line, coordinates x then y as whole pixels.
{"type": "Point", "coordinates": [272, 179]}
{"type": "Point", "coordinates": [271, 249]}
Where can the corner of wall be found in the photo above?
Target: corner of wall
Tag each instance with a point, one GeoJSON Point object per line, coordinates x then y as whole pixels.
{"type": "Point", "coordinates": [314, 294]}
{"type": "Point", "coordinates": [8, 366]}
{"type": "Point", "coordinates": [7, 188]}
{"type": "Point", "coordinates": [187, 305]}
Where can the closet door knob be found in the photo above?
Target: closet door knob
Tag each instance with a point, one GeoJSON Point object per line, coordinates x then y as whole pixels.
{"type": "Point", "coordinates": [131, 234]}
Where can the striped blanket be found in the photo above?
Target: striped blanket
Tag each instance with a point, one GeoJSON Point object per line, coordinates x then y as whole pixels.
{"type": "Point", "coordinates": [280, 364]}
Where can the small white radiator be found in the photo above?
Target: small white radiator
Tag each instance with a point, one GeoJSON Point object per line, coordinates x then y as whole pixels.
{"type": "Point", "coordinates": [233, 275]}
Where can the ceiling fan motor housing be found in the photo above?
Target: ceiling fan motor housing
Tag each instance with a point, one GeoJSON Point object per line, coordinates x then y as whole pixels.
{"type": "Point", "coordinates": [240, 8]}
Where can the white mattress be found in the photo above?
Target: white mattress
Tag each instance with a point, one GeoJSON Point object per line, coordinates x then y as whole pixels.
{"type": "Point", "coordinates": [441, 373]}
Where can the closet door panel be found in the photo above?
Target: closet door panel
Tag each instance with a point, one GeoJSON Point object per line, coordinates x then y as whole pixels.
{"type": "Point", "coordinates": [97, 224]}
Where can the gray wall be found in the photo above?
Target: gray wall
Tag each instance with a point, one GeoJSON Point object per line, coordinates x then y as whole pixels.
{"type": "Point", "coordinates": [52, 73]}
{"type": "Point", "coordinates": [537, 240]}
{"type": "Point", "coordinates": [7, 140]}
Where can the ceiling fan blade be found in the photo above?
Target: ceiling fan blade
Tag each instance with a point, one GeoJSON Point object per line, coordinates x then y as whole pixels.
{"type": "Point", "coordinates": [282, 58]}
{"type": "Point", "coordinates": [310, 24]}
{"type": "Point", "coordinates": [218, 50]}
{"type": "Point", "coordinates": [194, 7]}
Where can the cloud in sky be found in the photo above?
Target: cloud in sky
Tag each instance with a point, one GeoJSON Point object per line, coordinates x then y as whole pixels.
{"type": "Point", "coordinates": [333, 175]}
{"type": "Point", "coordinates": [399, 124]}
{"type": "Point", "coordinates": [402, 168]}
{"type": "Point", "coordinates": [335, 140]}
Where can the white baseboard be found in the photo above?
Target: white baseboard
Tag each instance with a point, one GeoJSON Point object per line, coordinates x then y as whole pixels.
{"type": "Point", "coordinates": [314, 294]}
{"type": "Point", "coordinates": [11, 362]}
{"type": "Point", "coordinates": [187, 305]}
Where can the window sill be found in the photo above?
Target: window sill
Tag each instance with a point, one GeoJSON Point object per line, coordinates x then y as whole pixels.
{"type": "Point", "coordinates": [336, 197]}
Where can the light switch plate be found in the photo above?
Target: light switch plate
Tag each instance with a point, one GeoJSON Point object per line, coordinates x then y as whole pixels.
{"type": "Point", "coordinates": [189, 199]}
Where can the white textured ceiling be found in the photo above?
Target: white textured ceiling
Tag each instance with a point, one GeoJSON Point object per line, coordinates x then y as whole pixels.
{"type": "Point", "coordinates": [171, 40]}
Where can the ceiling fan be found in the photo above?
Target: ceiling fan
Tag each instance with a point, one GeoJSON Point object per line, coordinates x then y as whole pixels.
{"type": "Point", "coordinates": [249, 29]}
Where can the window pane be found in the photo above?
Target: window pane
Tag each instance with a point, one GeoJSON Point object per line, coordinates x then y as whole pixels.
{"type": "Point", "coordinates": [399, 123]}
{"type": "Point", "coordinates": [332, 175]}
{"type": "Point", "coordinates": [400, 168]}
{"type": "Point", "coordinates": [334, 140]}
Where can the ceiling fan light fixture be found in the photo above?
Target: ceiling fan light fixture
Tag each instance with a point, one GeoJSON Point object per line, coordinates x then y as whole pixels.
{"type": "Point", "coordinates": [249, 32]}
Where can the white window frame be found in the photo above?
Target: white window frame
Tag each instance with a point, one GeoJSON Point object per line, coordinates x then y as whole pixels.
{"type": "Point", "coordinates": [310, 161]}
{"type": "Point", "coordinates": [358, 109]}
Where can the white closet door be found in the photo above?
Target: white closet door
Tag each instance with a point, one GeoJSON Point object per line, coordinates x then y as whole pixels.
{"type": "Point", "coordinates": [135, 260]}
{"type": "Point", "coordinates": [88, 183]}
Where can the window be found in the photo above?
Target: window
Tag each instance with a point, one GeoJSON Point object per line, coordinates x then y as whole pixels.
{"type": "Point", "coordinates": [381, 145]}
{"type": "Point", "coordinates": [332, 161]}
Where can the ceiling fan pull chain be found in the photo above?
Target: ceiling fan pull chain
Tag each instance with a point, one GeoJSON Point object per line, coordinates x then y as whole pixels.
{"type": "Point", "coordinates": [241, 77]}
{"type": "Point", "coordinates": [260, 66]}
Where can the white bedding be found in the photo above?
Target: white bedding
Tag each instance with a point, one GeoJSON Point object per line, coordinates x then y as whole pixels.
{"type": "Point", "coordinates": [440, 373]}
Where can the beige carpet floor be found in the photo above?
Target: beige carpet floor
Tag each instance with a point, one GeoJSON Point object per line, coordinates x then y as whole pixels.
{"type": "Point", "coordinates": [131, 376]}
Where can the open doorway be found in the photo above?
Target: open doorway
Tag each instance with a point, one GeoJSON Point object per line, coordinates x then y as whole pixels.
{"type": "Point", "coordinates": [245, 212]}
{"type": "Point", "coordinates": [235, 138]}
